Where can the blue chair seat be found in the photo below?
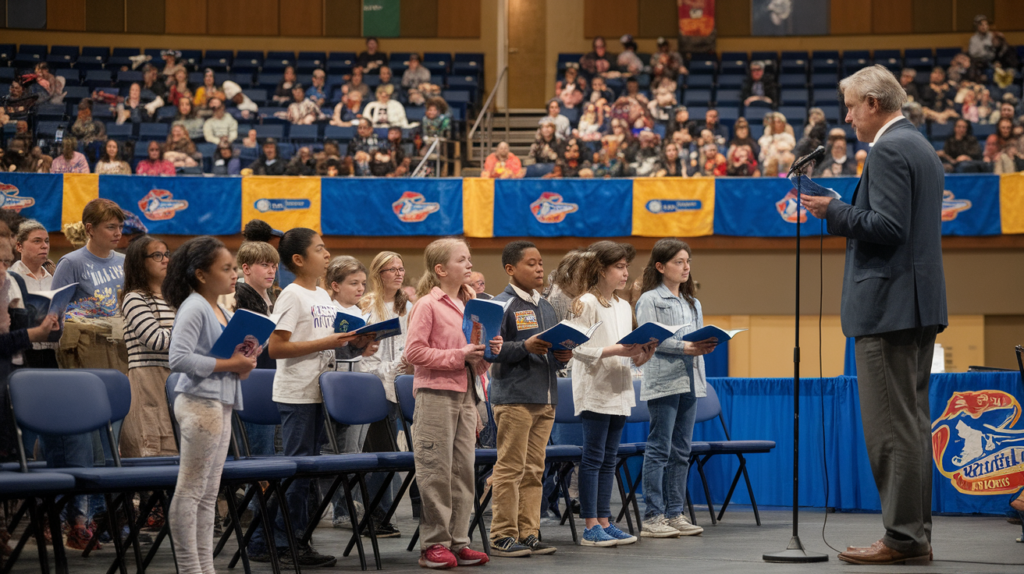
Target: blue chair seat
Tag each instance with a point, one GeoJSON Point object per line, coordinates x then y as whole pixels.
{"type": "Point", "coordinates": [639, 448]}
{"type": "Point", "coordinates": [396, 460]}
{"type": "Point", "coordinates": [263, 469]}
{"type": "Point", "coordinates": [23, 485]}
{"type": "Point", "coordinates": [486, 456]}
{"type": "Point", "coordinates": [101, 479]}
{"type": "Point", "coordinates": [148, 461]}
{"type": "Point", "coordinates": [563, 453]}
{"type": "Point", "coordinates": [335, 463]}
{"type": "Point", "coordinates": [626, 450]}
{"type": "Point", "coordinates": [743, 446]}
{"type": "Point", "coordinates": [699, 447]}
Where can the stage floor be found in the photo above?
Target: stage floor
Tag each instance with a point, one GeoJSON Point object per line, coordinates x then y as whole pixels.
{"type": "Point", "coordinates": [734, 545]}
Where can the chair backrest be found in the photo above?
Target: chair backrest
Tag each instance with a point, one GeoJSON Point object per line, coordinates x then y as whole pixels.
{"type": "Point", "coordinates": [258, 399]}
{"type": "Point", "coordinates": [403, 392]}
{"type": "Point", "coordinates": [708, 407]}
{"type": "Point", "coordinates": [353, 398]}
{"type": "Point", "coordinates": [639, 413]}
{"type": "Point", "coordinates": [119, 391]}
{"type": "Point", "coordinates": [565, 411]}
{"type": "Point", "coordinates": [63, 402]}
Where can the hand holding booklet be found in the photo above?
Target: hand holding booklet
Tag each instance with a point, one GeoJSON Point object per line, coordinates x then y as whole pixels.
{"type": "Point", "coordinates": [481, 322]}
{"type": "Point", "coordinates": [807, 186]}
{"type": "Point", "coordinates": [43, 303]}
{"type": "Point", "coordinates": [650, 333]}
{"type": "Point", "coordinates": [347, 323]}
{"type": "Point", "coordinates": [251, 330]}
{"type": "Point", "coordinates": [711, 332]}
{"type": "Point", "coordinates": [565, 336]}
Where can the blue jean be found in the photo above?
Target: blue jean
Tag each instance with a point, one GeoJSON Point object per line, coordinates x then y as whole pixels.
{"type": "Point", "coordinates": [70, 451]}
{"type": "Point", "coordinates": [667, 460]}
{"type": "Point", "coordinates": [601, 437]}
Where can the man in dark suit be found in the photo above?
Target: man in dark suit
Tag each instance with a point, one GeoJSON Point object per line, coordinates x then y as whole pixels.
{"type": "Point", "coordinates": [894, 303]}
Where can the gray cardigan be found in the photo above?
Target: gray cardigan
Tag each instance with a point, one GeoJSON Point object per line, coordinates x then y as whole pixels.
{"type": "Point", "coordinates": [195, 331]}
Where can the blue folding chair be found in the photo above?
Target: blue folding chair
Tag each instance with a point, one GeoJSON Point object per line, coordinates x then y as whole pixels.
{"type": "Point", "coordinates": [29, 487]}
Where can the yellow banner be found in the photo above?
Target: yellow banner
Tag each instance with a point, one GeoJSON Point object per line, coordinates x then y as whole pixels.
{"type": "Point", "coordinates": [1011, 202]}
{"type": "Point", "coordinates": [673, 207]}
{"type": "Point", "coordinates": [284, 202]}
{"type": "Point", "coordinates": [79, 189]}
{"type": "Point", "coordinates": [478, 207]}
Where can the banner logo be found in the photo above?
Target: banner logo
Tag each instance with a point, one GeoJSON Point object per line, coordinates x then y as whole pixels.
{"type": "Point", "coordinates": [672, 205]}
{"type": "Point", "coordinates": [787, 208]}
{"type": "Point", "coordinates": [951, 207]}
{"type": "Point", "coordinates": [10, 199]}
{"type": "Point", "coordinates": [160, 205]}
{"type": "Point", "coordinates": [412, 207]}
{"type": "Point", "coordinates": [265, 205]}
{"type": "Point", "coordinates": [549, 208]}
{"type": "Point", "coordinates": [975, 443]}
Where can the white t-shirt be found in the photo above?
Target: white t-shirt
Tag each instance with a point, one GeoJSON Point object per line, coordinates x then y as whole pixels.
{"type": "Point", "coordinates": [308, 316]}
{"type": "Point", "coordinates": [346, 365]}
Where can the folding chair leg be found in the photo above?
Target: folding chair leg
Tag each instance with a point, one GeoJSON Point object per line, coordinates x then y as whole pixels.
{"type": "Point", "coordinates": [689, 504]}
{"type": "Point", "coordinates": [60, 558]}
{"type": "Point", "coordinates": [478, 518]}
{"type": "Point", "coordinates": [35, 520]}
{"type": "Point", "coordinates": [307, 535]}
{"type": "Point", "coordinates": [285, 517]}
{"type": "Point", "coordinates": [631, 496]}
{"type": "Point", "coordinates": [115, 533]}
{"type": "Point", "coordinates": [707, 491]}
{"type": "Point", "coordinates": [750, 490]}
{"type": "Point", "coordinates": [732, 488]}
{"type": "Point", "coordinates": [133, 532]}
{"type": "Point", "coordinates": [163, 533]}
{"type": "Point", "coordinates": [563, 480]}
{"type": "Point", "coordinates": [369, 523]}
{"type": "Point", "coordinates": [235, 527]}
{"type": "Point", "coordinates": [622, 495]}
{"type": "Point", "coordinates": [246, 498]}
{"type": "Point", "coordinates": [95, 540]}
{"type": "Point", "coordinates": [355, 523]}
{"type": "Point", "coordinates": [16, 552]}
{"type": "Point", "coordinates": [412, 541]}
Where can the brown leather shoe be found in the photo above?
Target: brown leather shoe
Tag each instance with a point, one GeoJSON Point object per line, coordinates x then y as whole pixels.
{"type": "Point", "coordinates": [860, 549]}
{"type": "Point", "coordinates": [879, 554]}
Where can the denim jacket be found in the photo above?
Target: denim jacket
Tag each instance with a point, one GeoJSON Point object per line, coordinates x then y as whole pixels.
{"type": "Point", "coordinates": [670, 371]}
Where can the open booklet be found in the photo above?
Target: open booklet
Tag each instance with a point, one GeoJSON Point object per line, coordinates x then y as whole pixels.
{"type": "Point", "coordinates": [348, 323]}
{"type": "Point", "coordinates": [650, 332]}
{"type": "Point", "coordinates": [245, 328]}
{"type": "Point", "coordinates": [709, 332]}
{"type": "Point", "coordinates": [481, 322]}
{"type": "Point", "coordinates": [565, 336]}
{"type": "Point", "coordinates": [43, 303]}
{"type": "Point", "coordinates": [807, 186]}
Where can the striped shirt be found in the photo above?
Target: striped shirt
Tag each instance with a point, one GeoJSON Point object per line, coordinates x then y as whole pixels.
{"type": "Point", "coordinates": [147, 330]}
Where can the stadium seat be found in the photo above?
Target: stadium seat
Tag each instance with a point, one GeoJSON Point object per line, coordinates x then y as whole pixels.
{"type": "Point", "coordinates": [697, 97]}
{"type": "Point", "coordinates": [265, 131]}
{"type": "Point", "coordinates": [121, 132]}
{"type": "Point", "coordinates": [794, 113]}
{"type": "Point", "coordinates": [793, 66]}
{"type": "Point", "coordinates": [702, 66]}
{"type": "Point", "coordinates": [739, 56]}
{"type": "Point", "coordinates": [825, 96]}
{"type": "Point", "coordinates": [725, 98]}
{"type": "Point", "coordinates": [51, 111]}
{"type": "Point", "coordinates": [126, 79]}
{"type": "Point", "coordinates": [733, 67]}
{"type": "Point", "coordinates": [891, 59]}
{"type": "Point", "coordinates": [302, 133]}
{"type": "Point", "coordinates": [730, 81]}
{"type": "Point", "coordinates": [794, 97]}
{"type": "Point", "coordinates": [475, 58]}
{"type": "Point", "coordinates": [982, 131]}
{"type": "Point", "coordinates": [7, 52]}
{"type": "Point", "coordinates": [338, 133]}
{"type": "Point", "coordinates": [122, 57]}
{"type": "Point", "coordinates": [942, 131]}
{"type": "Point", "coordinates": [75, 94]}
{"type": "Point", "coordinates": [700, 81]}
{"type": "Point", "coordinates": [824, 80]}
{"type": "Point", "coordinates": [832, 112]}
{"type": "Point", "coordinates": [30, 54]}
{"type": "Point", "coordinates": [72, 76]}
{"type": "Point", "coordinates": [166, 114]}
{"type": "Point", "coordinates": [792, 81]}
{"type": "Point", "coordinates": [755, 114]}
{"type": "Point", "coordinates": [153, 131]}
{"type": "Point", "coordinates": [62, 56]}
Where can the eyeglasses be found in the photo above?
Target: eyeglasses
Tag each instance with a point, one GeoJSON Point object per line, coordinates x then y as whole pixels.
{"type": "Point", "coordinates": [393, 270]}
{"type": "Point", "coordinates": [159, 256]}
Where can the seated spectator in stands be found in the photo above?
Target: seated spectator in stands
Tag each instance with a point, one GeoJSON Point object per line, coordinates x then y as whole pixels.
{"type": "Point", "coordinates": [759, 86]}
{"type": "Point", "coordinates": [41, 161]}
{"type": "Point", "coordinates": [645, 160]}
{"type": "Point", "coordinates": [180, 149]}
{"type": "Point", "coordinates": [711, 162]}
{"type": "Point", "coordinates": [980, 47]}
{"type": "Point", "coordinates": [569, 90]}
{"type": "Point", "coordinates": [302, 163]}
{"type": "Point", "coordinates": [741, 136]}
{"type": "Point", "coordinates": [712, 124]}
{"type": "Point", "coordinates": [742, 162]}
{"type": "Point", "coordinates": [17, 158]}
{"type": "Point", "coordinates": [172, 63]}
{"type": "Point", "coordinates": [18, 103]}
{"type": "Point", "coordinates": [666, 63]}
{"type": "Point", "coordinates": [220, 127]}
{"type": "Point", "coordinates": [545, 151]}
{"type": "Point", "coordinates": [331, 152]}
{"type": "Point", "coordinates": [187, 117]}
{"type": "Point", "coordinates": [396, 144]}
{"type": "Point", "coordinates": [250, 140]}
{"type": "Point", "coordinates": [1007, 111]}
{"type": "Point", "coordinates": [599, 93]}
{"type": "Point", "coordinates": [348, 110]}
{"type": "Point", "coordinates": [70, 161]}
{"type": "Point", "coordinates": [370, 59]}
{"type": "Point", "coordinates": [1011, 160]}
{"type": "Point", "coordinates": [671, 163]}
{"type": "Point", "coordinates": [364, 145]}
{"type": "Point", "coordinates": [628, 63]}
{"type": "Point", "coordinates": [632, 89]}
{"type": "Point", "coordinates": [591, 125]}
{"type": "Point", "coordinates": [987, 107]}
{"type": "Point", "coordinates": [110, 162]}
{"type": "Point", "coordinates": [815, 135]}
{"type": "Point", "coordinates": [936, 98]}
{"type": "Point", "coordinates": [681, 122]}
{"type": "Point", "coordinates": [389, 82]}
{"type": "Point", "coordinates": [383, 164]}
{"type": "Point", "coordinates": [225, 162]}
{"type": "Point", "coordinates": [836, 163]}
{"type": "Point", "coordinates": [85, 128]}
{"type": "Point", "coordinates": [960, 147]}
{"type": "Point", "coordinates": [997, 144]}
{"type": "Point", "coordinates": [233, 93]}
{"type": "Point", "coordinates": [907, 77]}
{"type": "Point", "coordinates": [385, 112]}
{"type": "Point", "coordinates": [151, 82]}
{"type": "Point", "coordinates": [132, 109]}
{"type": "Point", "coordinates": [269, 163]}
{"type": "Point", "coordinates": [502, 164]}
{"type": "Point", "coordinates": [1004, 62]}
{"type": "Point", "coordinates": [179, 88]}
{"type": "Point", "coordinates": [436, 122]}
{"type": "Point", "coordinates": [154, 164]}
{"type": "Point", "coordinates": [283, 92]}
{"type": "Point", "coordinates": [355, 84]}
{"type": "Point", "coordinates": [622, 139]}
{"type": "Point", "coordinates": [609, 162]}
{"type": "Point", "coordinates": [209, 90]}
{"type": "Point", "coordinates": [572, 161]}
{"type": "Point", "coordinates": [303, 111]}
{"type": "Point", "coordinates": [662, 106]}
{"type": "Point", "coordinates": [969, 107]}
{"type": "Point", "coordinates": [49, 87]}
{"type": "Point", "coordinates": [777, 144]}
{"type": "Point", "coordinates": [317, 92]}
{"type": "Point", "coordinates": [960, 68]}
{"type": "Point", "coordinates": [596, 62]}
{"type": "Point", "coordinates": [415, 74]}
{"type": "Point", "coordinates": [562, 127]}
{"type": "Point", "coordinates": [334, 168]}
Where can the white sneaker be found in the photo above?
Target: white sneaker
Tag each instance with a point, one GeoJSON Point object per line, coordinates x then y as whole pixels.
{"type": "Point", "coordinates": [658, 527]}
{"type": "Point", "coordinates": [683, 525]}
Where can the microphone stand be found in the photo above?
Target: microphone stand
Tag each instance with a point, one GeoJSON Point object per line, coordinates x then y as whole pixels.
{"type": "Point", "coordinates": [795, 552]}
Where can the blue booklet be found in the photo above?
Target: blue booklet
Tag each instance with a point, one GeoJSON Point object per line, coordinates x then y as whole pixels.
{"type": "Point", "coordinates": [245, 328]}
{"type": "Point", "coordinates": [710, 332]}
{"type": "Point", "coordinates": [481, 322]}
{"type": "Point", "coordinates": [565, 336]}
{"type": "Point", "coordinates": [43, 303]}
{"type": "Point", "coordinates": [807, 186]}
{"type": "Point", "coordinates": [348, 323]}
{"type": "Point", "coordinates": [650, 332]}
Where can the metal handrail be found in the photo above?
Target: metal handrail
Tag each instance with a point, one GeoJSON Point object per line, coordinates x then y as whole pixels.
{"type": "Point", "coordinates": [486, 109]}
{"type": "Point", "coordinates": [418, 172]}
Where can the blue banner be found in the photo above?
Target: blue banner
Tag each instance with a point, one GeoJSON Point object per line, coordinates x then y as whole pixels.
{"type": "Point", "coordinates": [563, 208]}
{"type": "Point", "coordinates": [391, 206]}
{"type": "Point", "coordinates": [767, 207]}
{"type": "Point", "coordinates": [38, 196]}
{"type": "Point", "coordinates": [179, 205]}
{"type": "Point", "coordinates": [970, 205]}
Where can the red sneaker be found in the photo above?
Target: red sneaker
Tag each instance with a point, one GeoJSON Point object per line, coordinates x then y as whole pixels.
{"type": "Point", "coordinates": [438, 557]}
{"type": "Point", "coordinates": [79, 537]}
{"type": "Point", "coordinates": [469, 557]}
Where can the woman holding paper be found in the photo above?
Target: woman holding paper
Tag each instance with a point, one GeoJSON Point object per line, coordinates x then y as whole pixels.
{"type": "Point", "coordinates": [671, 383]}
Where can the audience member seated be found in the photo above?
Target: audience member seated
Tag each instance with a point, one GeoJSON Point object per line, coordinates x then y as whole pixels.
{"type": "Point", "coordinates": [269, 162]}
{"type": "Point", "coordinates": [220, 127]}
{"type": "Point", "coordinates": [960, 69]}
{"type": "Point", "coordinates": [302, 163]}
{"type": "Point", "coordinates": [335, 168]}
{"type": "Point", "coordinates": [672, 162]}
{"type": "Point", "coordinates": [180, 149]}
{"type": "Point", "coordinates": [110, 162]}
{"type": "Point", "coordinates": [711, 162]}
{"type": "Point", "coordinates": [836, 162]}
{"type": "Point", "coordinates": [225, 162]}
{"type": "Point", "coordinates": [960, 147]}
{"type": "Point", "coordinates": [172, 63]}
{"type": "Point", "coordinates": [681, 122]}
{"type": "Point", "coordinates": [396, 145]}
{"type": "Point", "coordinates": [502, 164]}
{"type": "Point", "coordinates": [599, 93]}
{"type": "Point", "coordinates": [209, 90]}
{"type": "Point", "coordinates": [628, 63]}
{"type": "Point", "coordinates": [712, 124]}
{"type": "Point", "coordinates": [1004, 62]}
{"type": "Point", "coordinates": [132, 109]}
{"type": "Point", "coordinates": [573, 163]}
{"type": "Point", "coordinates": [355, 83]}
{"type": "Point", "coordinates": [596, 62]}
{"type": "Point", "coordinates": [998, 147]}
{"type": "Point", "coordinates": [331, 152]}
{"type": "Point", "coordinates": [980, 46]}
{"type": "Point", "coordinates": [1006, 110]}
{"type": "Point", "coordinates": [302, 111]}
{"type": "Point", "coordinates": [348, 110]}
{"type": "Point", "coordinates": [283, 92]}
{"type": "Point", "coordinates": [777, 145]}
{"type": "Point", "coordinates": [569, 91]}
{"type": "Point", "coordinates": [154, 164]}
{"type": "Point", "coordinates": [361, 148]}
{"type": "Point", "coordinates": [545, 151]}
{"type": "Point", "coordinates": [370, 59]}
{"type": "Point", "coordinates": [1011, 160]}
{"type": "Point", "coordinates": [759, 86]}
{"type": "Point", "coordinates": [591, 125]}
{"type": "Point", "coordinates": [436, 122]}
{"type": "Point", "coordinates": [49, 87]}
{"type": "Point", "coordinates": [18, 103]}
{"type": "Point", "coordinates": [814, 134]}
{"type": "Point", "coordinates": [233, 92]}
{"type": "Point", "coordinates": [389, 82]}
{"type": "Point", "coordinates": [151, 81]}
{"type": "Point", "coordinates": [662, 107]}
{"type": "Point", "coordinates": [562, 127]}
{"type": "Point", "coordinates": [85, 128]}
{"type": "Point", "coordinates": [187, 117]}
{"type": "Point", "coordinates": [179, 88]}
{"type": "Point", "coordinates": [645, 160]}
{"type": "Point", "coordinates": [385, 112]}
{"type": "Point", "coordinates": [70, 161]}
{"type": "Point", "coordinates": [988, 109]}
{"type": "Point", "coordinates": [907, 77]}
{"type": "Point", "coordinates": [667, 64]}
{"type": "Point", "coordinates": [937, 99]}
{"type": "Point", "coordinates": [317, 92]}
{"type": "Point", "coordinates": [609, 162]}
{"type": "Point", "coordinates": [415, 74]}
{"type": "Point", "coordinates": [18, 157]}
{"type": "Point", "coordinates": [742, 162]}
{"type": "Point", "coordinates": [621, 138]}
{"type": "Point", "coordinates": [250, 140]}
{"type": "Point", "coordinates": [741, 136]}
{"type": "Point", "coordinates": [969, 107]}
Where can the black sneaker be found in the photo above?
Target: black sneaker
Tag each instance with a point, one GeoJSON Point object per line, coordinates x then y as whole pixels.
{"type": "Point", "coordinates": [307, 557]}
{"type": "Point", "coordinates": [508, 548]}
{"type": "Point", "coordinates": [386, 530]}
{"type": "Point", "coordinates": [262, 556]}
{"type": "Point", "coordinates": [576, 507]}
{"type": "Point", "coordinates": [536, 546]}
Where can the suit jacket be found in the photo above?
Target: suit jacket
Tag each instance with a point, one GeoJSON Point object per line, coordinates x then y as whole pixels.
{"type": "Point", "coordinates": [893, 278]}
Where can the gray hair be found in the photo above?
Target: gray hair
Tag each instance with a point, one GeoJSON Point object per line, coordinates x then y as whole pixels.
{"type": "Point", "coordinates": [26, 228]}
{"type": "Point", "coordinates": [876, 82]}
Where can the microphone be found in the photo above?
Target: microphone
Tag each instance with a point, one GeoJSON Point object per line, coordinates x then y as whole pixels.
{"type": "Point", "coordinates": [815, 155]}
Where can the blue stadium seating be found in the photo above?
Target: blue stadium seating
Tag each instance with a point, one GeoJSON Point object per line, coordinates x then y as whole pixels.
{"type": "Point", "coordinates": [121, 132]}
{"type": "Point", "coordinates": [700, 81]}
{"type": "Point", "coordinates": [153, 132]}
{"type": "Point", "coordinates": [338, 133]}
{"type": "Point", "coordinates": [794, 96]}
{"type": "Point", "coordinates": [265, 131]}
{"type": "Point", "coordinates": [302, 133]}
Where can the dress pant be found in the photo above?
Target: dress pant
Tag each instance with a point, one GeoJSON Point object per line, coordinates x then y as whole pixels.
{"type": "Point", "coordinates": [523, 432]}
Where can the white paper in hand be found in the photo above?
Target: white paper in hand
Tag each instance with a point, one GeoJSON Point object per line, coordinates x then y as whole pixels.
{"type": "Point", "coordinates": [807, 186]}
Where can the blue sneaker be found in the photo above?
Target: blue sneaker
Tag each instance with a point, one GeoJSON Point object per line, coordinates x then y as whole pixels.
{"type": "Point", "coordinates": [597, 536]}
{"type": "Point", "coordinates": [620, 537]}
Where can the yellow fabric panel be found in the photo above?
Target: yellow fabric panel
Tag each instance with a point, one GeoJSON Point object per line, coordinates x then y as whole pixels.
{"type": "Point", "coordinates": [284, 202]}
{"type": "Point", "coordinates": [673, 207]}
{"type": "Point", "coordinates": [79, 189]}
{"type": "Point", "coordinates": [478, 207]}
{"type": "Point", "coordinates": [1011, 202]}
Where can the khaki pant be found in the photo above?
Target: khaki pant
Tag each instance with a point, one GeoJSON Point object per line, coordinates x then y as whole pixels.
{"type": "Point", "coordinates": [523, 432]}
{"type": "Point", "coordinates": [444, 443]}
{"type": "Point", "coordinates": [147, 429]}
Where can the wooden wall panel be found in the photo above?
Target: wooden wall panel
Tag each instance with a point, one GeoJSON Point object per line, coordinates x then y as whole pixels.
{"type": "Point", "coordinates": [737, 23]}
{"type": "Point", "coordinates": [343, 18]}
{"type": "Point", "coordinates": [892, 16]}
{"type": "Point", "coordinates": [966, 10]}
{"type": "Point", "coordinates": [104, 15]}
{"type": "Point", "coordinates": [1008, 15]}
{"type": "Point", "coordinates": [185, 17]}
{"type": "Point", "coordinates": [850, 17]}
{"type": "Point", "coordinates": [3, 13]}
{"type": "Point", "coordinates": [302, 18]}
{"type": "Point", "coordinates": [242, 17]}
{"type": "Point", "coordinates": [659, 18]}
{"type": "Point", "coordinates": [933, 16]}
{"type": "Point", "coordinates": [611, 19]}
{"type": "Point", "coordinates": [458, 18]}
{"type": "Point", "coordinates": [65, 15]}
{"type": "Point", "coordinates": [146, 16]}
{"type": "Point", "coordinates": [418, 19]}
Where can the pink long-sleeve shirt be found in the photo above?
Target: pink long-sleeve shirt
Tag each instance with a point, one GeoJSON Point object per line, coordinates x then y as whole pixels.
{"type": "Point", "coordinates": [434, 344]}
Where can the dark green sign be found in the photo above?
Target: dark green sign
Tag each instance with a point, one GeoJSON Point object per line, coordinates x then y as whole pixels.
{"type": "Point", "coordinates": [381, 18]}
